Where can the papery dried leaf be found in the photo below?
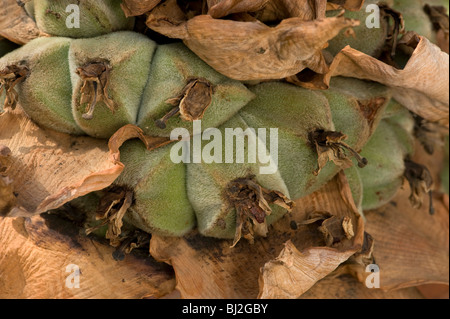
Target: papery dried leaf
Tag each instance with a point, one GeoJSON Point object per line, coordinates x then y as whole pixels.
{"type": "Point", "coordinates": [51, 168]}
{"type": "Point", "coordinates": [46, 248]}
{"type": "Point", "coordinates": [294, 271]}
{"type": "Point", "coordinates": [422, 86]}
{"type": "Point", "coordinates": [351, 5]}
{"type": "Point", "coordinates": [411, 247]}
{"type": "Point", "coordinates": [306, 10]}
{"type": "Point", "coordinates": [347, 287]}
{"type": "Point", "coordinates": [129, 132]}
{"type": "Point", "coordinates": [133, 8]}
{"type": "Point", "coordinates": [7, 198]}
{"type": "Point", "coordinates": [16, 25]}
{"type": "Point", "coordinates": [222, 8]}
{"type": "Point", "coordinates": [168, 19]}
{"type": "Point", "coordinates": [252, 50]}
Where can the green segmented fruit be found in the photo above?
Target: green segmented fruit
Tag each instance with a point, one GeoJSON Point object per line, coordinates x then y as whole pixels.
{"type": "Point", "coordinates": [59, 17]}
{"type": "Point", "coordinates": [160, 203]}
{"type": "Point", "coordinates": [367, 40]}
{"type": "Point", "coordinates": [105, 84]}
{"type": "Point", "coordinates": [45, 92]}
{"type": "Point", "coordinates": [387, 149]}
{"type": "Point", "coordinates": [94, 86]}
{"type": "Point", "coordinates": [129, 70]}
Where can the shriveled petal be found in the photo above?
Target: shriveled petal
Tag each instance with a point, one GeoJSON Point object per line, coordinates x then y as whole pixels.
{"type": "Point", "coordinates": [422, 86]}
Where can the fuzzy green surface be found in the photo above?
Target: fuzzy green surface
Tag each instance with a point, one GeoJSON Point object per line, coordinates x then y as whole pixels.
{"type": "Point", "coordinates": [160, 203]}
{"type": "Point", "coordinates": [129, 54]}
{"type": "Point", "coordinates": [96, 17]}
{"type": "Point", "coordinates": [207, 183]}
{"type": "Point", "coordinates": [295, 112]}
{"type": "Point", "coordinates": [46, 93]}
{"type": "Point", "coordinates": [385, 151]}
{"type": "Point", "coordinates": [367, 40]}
{"type": "Point", "coordinates": [172, 66]}
{"type": "Point", "coordinates": [347, 98]}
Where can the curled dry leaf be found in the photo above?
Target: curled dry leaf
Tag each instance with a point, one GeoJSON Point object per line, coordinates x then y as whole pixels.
{"type": "Point", "coordinates": [411, 246]}
{"type": "Point", "coordinates": [7, 198]}
{"type": "Point", "coordinates": [221, 8]}
{"type": "Point", "coordinates": [421, 86]}
{"type": "Point", "coordinates": [51, 168]}
{"type": "Point", "coordinates": [295, 270]}
{"type": "Point", "coordinates": [252, 50]}
{"type": "Point", "coordinates": [351, 5]}
{"type": "Point", "coordinates": [210, 268]}
{"type": "Point", "coordinates": [133, 8]}
{"type": "Point", "coordinates": [347, 287]}
{"type": "Point", "coordinates": [306, 10]}
{"type": "Point", "coordinates": [42, 249]}
{"type": "Point", "coordinates": [16, 25]}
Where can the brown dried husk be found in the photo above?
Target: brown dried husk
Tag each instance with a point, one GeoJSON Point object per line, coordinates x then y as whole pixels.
{"type": "Point", "coordinates": [251, 50]}
{"type": "Point", "coordinates": [34, 254]}
{"type": "Point", "coordinates": [16, 25]}
{"type": "Point", "coordinates": [421, 86]}
{"type": "Point", "coordinates": [133, 8]}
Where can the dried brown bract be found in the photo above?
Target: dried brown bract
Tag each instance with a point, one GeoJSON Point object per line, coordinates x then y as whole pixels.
{"type": "Point", "coordinates": [133, 8]}
{"type": "Point", "coordinates": [7, 198]}
{"type": "Point", "coordinates": [251, 202]}
{"type": "Point", "coordinates": [421, 86]}
{"type": "Point", "coordinates": [191, 103]}
{"type": "Point", "coordinates": [222, 8]}
{"type": "Point", "coordinates": [251, 50]}
{"type": "Point", "coordinates": [330, 147]}
{"type": "Point", "coordinates": [95, 77]}
{"type": "Point", "coordinates": [10, 76]}
{"type": "Point", "coordinates": [112, 207]}
{"type": "Point", "coordinates": [306, 10]}
{"type": "Point", "coordinates": [420, 182]}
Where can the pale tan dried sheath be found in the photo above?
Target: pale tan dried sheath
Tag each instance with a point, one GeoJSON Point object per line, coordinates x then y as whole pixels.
{"type": "Point", "coordinates": [422, 86]}
{"type": "Point", "coordinates": [252, 50]}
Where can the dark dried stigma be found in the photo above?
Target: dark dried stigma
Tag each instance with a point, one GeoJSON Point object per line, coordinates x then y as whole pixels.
{"type": "Point", "coordinates": [111, 209]}
{"type": "Point", "coordinates": [251, 202]}
{"type": "Point", "coordinates": [330, 147]}
{"type": "Point", "coordinates": [10, 76]}
{"type": "Point", "coordinates": [191, 103]}
{"type": "Point", "coordinates": [420, 182]}
{"type": "Point", "coordinates": [95, 77]}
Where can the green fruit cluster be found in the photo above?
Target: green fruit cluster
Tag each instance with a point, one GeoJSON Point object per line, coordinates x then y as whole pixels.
{"type": "Point", "coordinates": [93, 82]}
